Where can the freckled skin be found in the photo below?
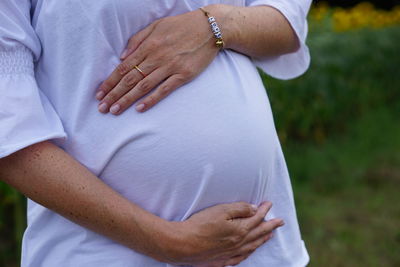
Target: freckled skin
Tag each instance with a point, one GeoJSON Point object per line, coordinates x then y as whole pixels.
{"type": "Point", "coordinates": [259, 32]}
{"type": "Point", "coordinates": [49, 176]}
{"type": "Point", "coordinates": [186, 45]}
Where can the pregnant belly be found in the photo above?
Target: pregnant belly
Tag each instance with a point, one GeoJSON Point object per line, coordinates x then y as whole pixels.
{"type": "Point", "coordinates": [189, 170]}
{"type": "Point", "coordinates": [197, 148]}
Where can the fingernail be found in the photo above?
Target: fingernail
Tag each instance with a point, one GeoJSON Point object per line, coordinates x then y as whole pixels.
{"type": "Point", "coordinates": [115, 108]}
{"type": "Point", "coordinates": [140, 107]}
{"type": "Point", "coordinates": [281, 223]}
{"type": "Point", "coordinates": [100, 95]}
{"type": "Point", "coordinates": [254, 207]}
{"type": "Point", "coordinates": [103, 107]}
{"type": "Point", "coordinates": [124, 53]}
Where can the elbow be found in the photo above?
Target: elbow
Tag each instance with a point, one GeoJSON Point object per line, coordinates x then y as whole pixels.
{"type": "Point", "coordinates": [294, 45]}
{"type": "Point", "coordinates": [285, 43]}
{"type": "Point", "coordinates": [291, 41]}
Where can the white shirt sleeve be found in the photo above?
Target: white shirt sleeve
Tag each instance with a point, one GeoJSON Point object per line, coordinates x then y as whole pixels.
{"type": "Point", "coordinates": [26, 115]}
{"type": "Point", "coordinates": [291, 65]}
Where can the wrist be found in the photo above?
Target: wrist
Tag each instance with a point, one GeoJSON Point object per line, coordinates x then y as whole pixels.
{"type": "Point", "coordinates": [223, 16]}
{"type": "Point", "coordinates": [159, 239]}
{"type": "Point", "coordinates": [178, 243]}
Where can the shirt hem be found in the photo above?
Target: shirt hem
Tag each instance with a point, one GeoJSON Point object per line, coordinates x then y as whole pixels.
{"type": "Point", "coordinates": [10, 149]}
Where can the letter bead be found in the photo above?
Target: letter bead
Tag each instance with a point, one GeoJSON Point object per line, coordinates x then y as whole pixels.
{"type": "Point", "coordinates": [215, 29]}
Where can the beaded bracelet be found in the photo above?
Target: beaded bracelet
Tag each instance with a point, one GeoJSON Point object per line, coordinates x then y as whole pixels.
{"type": "Point", "coordinates": [215, 29]}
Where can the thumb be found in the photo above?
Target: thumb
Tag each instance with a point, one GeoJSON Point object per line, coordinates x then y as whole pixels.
{"type": "Point", "coordinates": [240, 210]}
{"type": "Point", "coordinates": [136, 40]}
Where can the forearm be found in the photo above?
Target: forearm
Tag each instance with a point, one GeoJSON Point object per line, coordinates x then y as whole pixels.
{"type": "Point", "coordinates": [259, 32]}
{"type": "Point", "coordinates": [49, 176]}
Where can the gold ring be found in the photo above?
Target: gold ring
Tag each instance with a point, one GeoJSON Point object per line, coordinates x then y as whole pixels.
{"type": "Point", "coordinates": [139, 70]}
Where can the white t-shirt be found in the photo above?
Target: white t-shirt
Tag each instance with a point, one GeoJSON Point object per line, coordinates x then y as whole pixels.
{"type": "Point", "coordinates": [211, 141]}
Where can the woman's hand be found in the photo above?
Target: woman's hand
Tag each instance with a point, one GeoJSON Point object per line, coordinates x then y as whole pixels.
{"type": "Point", "coordinates": [221, 235]}
{"type": "Point", "coordinates": [49, 176]}
{"type": "Point", "coordinates": [173, 50]}
{"type": "Point", "coordinates": [170, 52]}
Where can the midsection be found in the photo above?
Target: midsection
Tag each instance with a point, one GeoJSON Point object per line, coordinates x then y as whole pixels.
{"type": "Point", "coordinates": [212, 141]}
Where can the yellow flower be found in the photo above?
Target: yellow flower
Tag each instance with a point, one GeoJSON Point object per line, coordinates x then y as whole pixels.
{"type": "Point", "coordinates": [320, 11]}
{"type": "Point", "coordinates": [363, 15]}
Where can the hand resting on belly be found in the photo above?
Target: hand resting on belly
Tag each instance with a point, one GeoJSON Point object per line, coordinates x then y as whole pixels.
{"type": "Point", "coordinates": [174, 50]}
{"type": "Point", "coordinates": [221, 235]}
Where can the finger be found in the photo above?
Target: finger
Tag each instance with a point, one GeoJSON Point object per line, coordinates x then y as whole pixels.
{"type": "Point", "coordinates": [129, 81]}
{"type": "Point", "coordinates": [259, 216]}
{"type": "Point", "coordinates": [167, 87]}
{"type": "Point", "coordinates": [263, 229]}
{"type": "Point", "coordinates": [239, 210]}
{"type": "Point", "coordinates": [211, 264]}
{"type": "Point", "coordinates": [119, 72]}
{"type": "Point", "coordinates": [248, 249]}
{"type": "Point", "coordinates": [236, 260]}
{"type": "Point", "coordinates": [136, 40]}
{"type": "Point", "coordinates": [142, 88]}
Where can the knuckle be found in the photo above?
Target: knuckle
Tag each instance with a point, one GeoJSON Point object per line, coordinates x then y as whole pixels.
{"type": "Point", "coordinates": [181, 79]}
{"type": "Point", "coordinates": [249, 209]}
{"type": "Point", "coordinates": [174, 62]}
{"type": "Point", "coordinates": [144, 86]}
{"type": "Point", "coordinates": [129, 80]}
{"type": "Point", "coordinates": [233, 241]}
{"type": "Point", "coordinates": [107, 85]}
{"type": "Point", "coordinates": [111, 97]}
{"type": "Point", "coordinates": [266, 238]}
{"type": "Point", "coordinates": [266, 227]}
{"type": "Point", "coordinates": [165, 90]}
{"type": "Point", "coordinates": [243, 231]}
{"type": "Point", "coordinates": [264, 212]}
{"type": "Point", "coordinates": [123, 68]}
{"type": "Point", "coordinates": [243, 205]}
{"type": "Point", "coordinates": [150, 100]}
{"type": "Point", "coordinates": [266, 232]}
{"type": "Point", "coordinates": [186, 73]}
{"type": "Point", "coordinates": [125, 101]}
{"type": "Point", "coordinates": [248, 228]}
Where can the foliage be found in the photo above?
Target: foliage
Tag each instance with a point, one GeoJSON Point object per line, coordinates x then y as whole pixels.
{"type": "Point", "coordinates": [363, 15]}
{"type": "Point", "coordinates": [386, 4]}
{"type": "Point", "coordinates": [350, 74]}
{"type": "Point", "coordinates": [340, 127]}
{"type": "Point", "coordinates": [12, 224]}
{"type": "Point", "coordinates": [346, 193]}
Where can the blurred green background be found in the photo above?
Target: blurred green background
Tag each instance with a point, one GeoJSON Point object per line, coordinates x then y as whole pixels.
{"type": "Point", "coordinates": [339, 125]}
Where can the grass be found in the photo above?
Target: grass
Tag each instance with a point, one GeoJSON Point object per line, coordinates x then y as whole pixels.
{"type": "Point", "coordinates": [339, 125]}
{"type": "Point", "coordinates": [346, 193]}
{"type": "Point", "coordinates": [12, 225]}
